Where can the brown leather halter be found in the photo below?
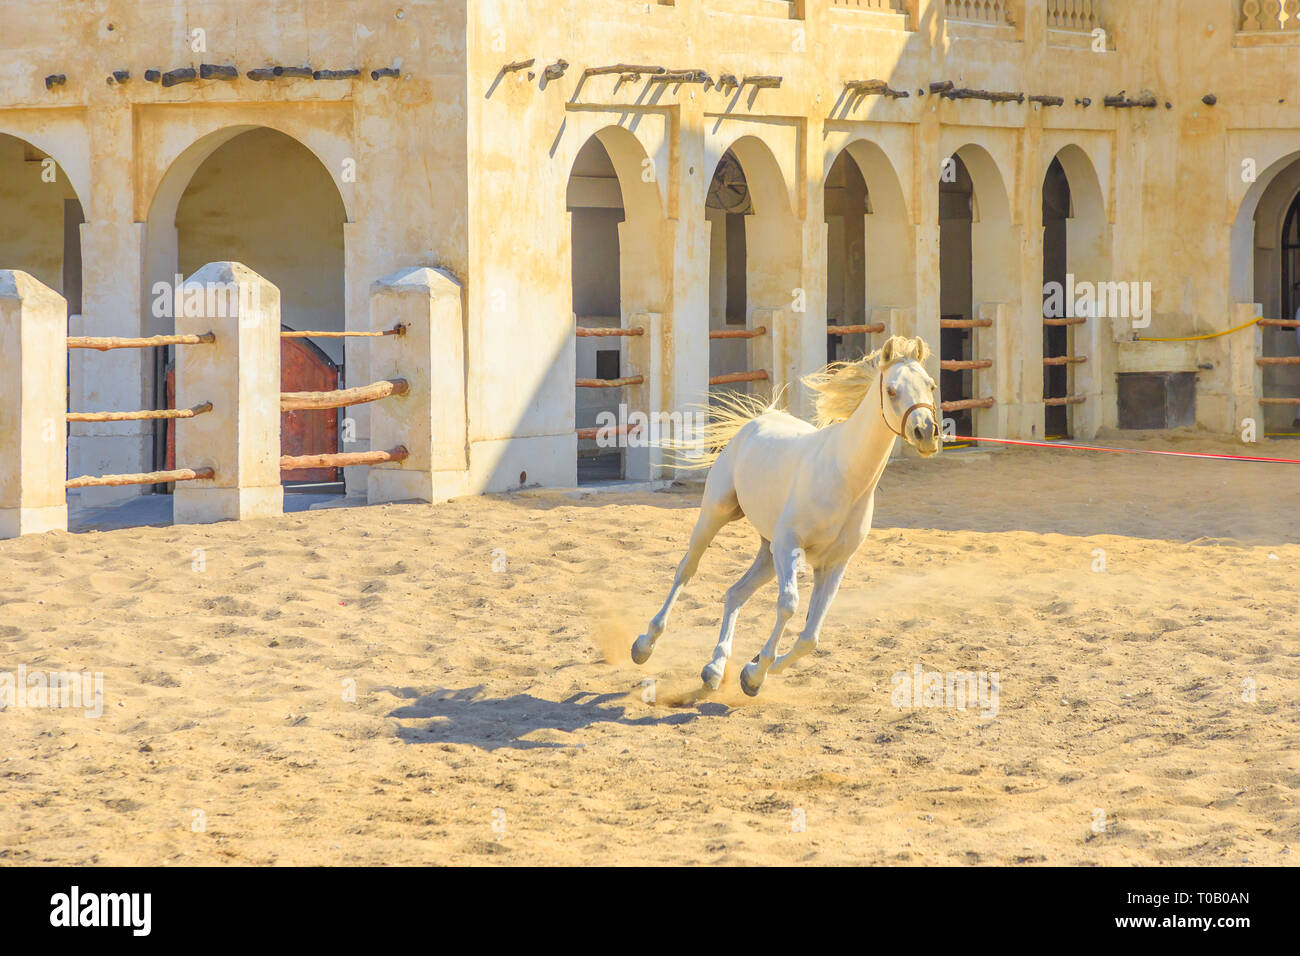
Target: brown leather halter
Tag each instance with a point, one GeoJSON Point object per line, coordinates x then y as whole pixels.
{"type": "Point", "coordinates": [902, 422]}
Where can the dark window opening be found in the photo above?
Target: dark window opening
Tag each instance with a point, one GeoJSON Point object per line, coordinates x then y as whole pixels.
{"type": "Point", "coordinates": [607, 363]}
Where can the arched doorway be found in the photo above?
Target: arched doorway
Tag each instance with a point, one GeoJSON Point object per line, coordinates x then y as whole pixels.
{"type": "Point", "coordinates": [1264, 272]}
{"type": "Point", "coordinates": [846, 204]}
{"type": "Point", "coordinates": [41, 217]}
{"type": "Point", "coordinates": [619, 267]}
{"type": "Point", "coordinates": [956, 298]}
{"type": "Point", "coordinates": [1282, 382]}
{"type": "Point", "coordinates": [260, 197]}
{"type": "Point", "coordinates": [979, 256]}
{"type": "Point", "coordinates": [726, 206]}
{"type": "Point", "coordinates": [40, 234]}
{"type": "Point", "coordinates": [754, 306]}
{"type": "Point", "coordinates": [870, 251]}
{"type": "Point", "coordinates": [1076, 259]}
{"type": "Point", "coordinates": [595, 204]}
{"type": "Point", "coordinates": [1056, 336]}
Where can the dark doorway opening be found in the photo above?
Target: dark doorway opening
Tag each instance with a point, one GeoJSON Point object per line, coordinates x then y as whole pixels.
{"type": "Point", "coordinates": [595, 204]}
{"type": "Point", "coordinates": [1056, 338]}
{"type": "Point", "coordinates": [956, 299]}
{"type": "Point", "coordinates": [846, 208]}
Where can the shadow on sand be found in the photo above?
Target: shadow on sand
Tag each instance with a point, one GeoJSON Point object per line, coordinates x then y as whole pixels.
{"type": "Point", "coordinates": [468, 716]}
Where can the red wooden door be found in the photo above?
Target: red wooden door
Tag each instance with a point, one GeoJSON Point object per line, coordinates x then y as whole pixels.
{"type": "Point", "coordinates": [305, 368]}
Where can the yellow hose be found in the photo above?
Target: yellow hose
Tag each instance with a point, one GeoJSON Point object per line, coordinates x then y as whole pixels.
{"type": "Point", "coordinates": [1197, 338]}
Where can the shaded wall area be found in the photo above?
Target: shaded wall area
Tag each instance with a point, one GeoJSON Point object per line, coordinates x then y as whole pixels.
{"type": "Point", "coordinates": [39, 219]}
{"type": "Point", "coordinates": [264, 199]}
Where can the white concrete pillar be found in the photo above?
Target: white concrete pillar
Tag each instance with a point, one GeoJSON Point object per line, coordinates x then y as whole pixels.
{"type": "Point", "coordinates": [33, 389]}
{"type": "Point", "coordinates": [782, 352]}
{"type": "Point", "coordinates": [430, 418]}
{"type": "Point", "coordinates": [900, 322]}
{"type": "Point", "coordinates": [644, 357]}
{"type": "Point", "coordinates": [804, 350]}
{"type": "Point", "coordinates": [688, 334]}
{"type": "Point", "coordinates": [239, 374]}
{"type": "Point", "coordinates": [360, 248]}
{"type": "Point", "coordinates": [896, 322]}
{"type": "Point", "coordinates": [1245, 377]}
{"type": "Point", "coordinates": [1093, 379]}
{"type": "Point", "coordinates": [924, 319]}
{"type": "Point", "coordinates": [1088, 246]}
{"type": "Point", "coordinates": [1003, 381]}
{"type": "Point", "coordinates": [686, 313]}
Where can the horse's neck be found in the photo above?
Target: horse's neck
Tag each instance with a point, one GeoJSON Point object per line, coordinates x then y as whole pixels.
{"type": "Point", "coordinates": [865, 443]}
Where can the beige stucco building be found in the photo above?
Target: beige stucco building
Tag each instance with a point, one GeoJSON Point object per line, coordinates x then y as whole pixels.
{"type": "Point", "coordinates": [924, 166]}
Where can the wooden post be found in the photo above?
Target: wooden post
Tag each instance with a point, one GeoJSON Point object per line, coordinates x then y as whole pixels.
{"type": "Point", "coordinates": [239, 373]}
{"type": "Point", "coordinates": [33, 396]}
{"type": "Point", "coordinates": [778, 353]}
{"type": "Point", "coordinates": [429, 419]}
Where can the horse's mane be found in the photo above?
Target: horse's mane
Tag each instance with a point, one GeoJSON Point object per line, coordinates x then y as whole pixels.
{"type": "Point", "coordinates": [729, 412]}
{"type": "Point", "coordinates": [839, 389]}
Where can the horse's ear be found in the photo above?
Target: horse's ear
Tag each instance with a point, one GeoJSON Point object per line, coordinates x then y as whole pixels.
{"type": "Point", "coordinates": [922, 350]}
{"type": "Point", "coordinates": [889, 352]}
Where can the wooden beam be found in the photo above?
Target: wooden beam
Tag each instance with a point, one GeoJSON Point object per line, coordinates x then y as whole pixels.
{"type": "Point", "coordinates": [103, 344]}
{"type": "Point", "coordinates": [875, 88]}
{"type": "Point", "coordinates": [299, 401]}
{"type": "Point", "coordinates": [758, 376]}
{"type": "Point", "coordinates": [342, 459]}
{"type": "Point", "coordinates": [738, 333]}
{"type": "Point", "coordinates": [148, 478]}
{"type": "Point", "coordinates": [964, 403]}
{"type": "Point", "coordinates": [151, 415]}
{"type": "Point", "coordinates": [854, 329]}
{"type": "Point", "coordinates": [609, 382]}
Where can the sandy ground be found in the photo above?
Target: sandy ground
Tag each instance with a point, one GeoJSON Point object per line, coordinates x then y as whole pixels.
{"type": "Point", "coordinates": [497, 719]}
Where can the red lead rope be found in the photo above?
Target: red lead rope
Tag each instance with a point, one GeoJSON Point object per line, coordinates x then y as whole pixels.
{"type": "Point", "coordinates": [1123, 451]}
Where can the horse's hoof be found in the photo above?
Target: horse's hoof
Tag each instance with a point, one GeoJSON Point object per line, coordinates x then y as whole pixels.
{"type": "Point", "coordinates": [712, 675]}
{"type": "Point", "coordinates": [641, 650]}
{"type": "Point", "coordinates": [751, 690]}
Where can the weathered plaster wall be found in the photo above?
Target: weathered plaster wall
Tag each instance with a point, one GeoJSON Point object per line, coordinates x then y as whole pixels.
{"type": "Point", "coordinates": [462, 165]}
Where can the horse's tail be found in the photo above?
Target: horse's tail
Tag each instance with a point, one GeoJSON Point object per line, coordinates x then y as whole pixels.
{"type": "Point", "coordinates": [729, 412]}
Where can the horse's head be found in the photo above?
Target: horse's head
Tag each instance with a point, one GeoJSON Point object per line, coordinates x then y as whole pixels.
{"type": "Point", "coordinates": [907, 394]}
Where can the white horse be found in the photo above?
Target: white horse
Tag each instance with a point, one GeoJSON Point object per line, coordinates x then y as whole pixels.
{"type": "Point", "coordinates": [809, 491]}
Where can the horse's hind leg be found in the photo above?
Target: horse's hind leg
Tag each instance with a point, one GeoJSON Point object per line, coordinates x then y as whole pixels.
{"type": "Point", "coordinates": [825, 586]}
{"type": "Point", "coordinates": [785, 557]}
{"type": "Point", "coordinates": [713, 515]}
{"type": "Point", "coordinates": [759, 573]}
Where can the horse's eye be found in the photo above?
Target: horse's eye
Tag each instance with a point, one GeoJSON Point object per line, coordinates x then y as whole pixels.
{"type": "Point", "coordinates": [891, 391]}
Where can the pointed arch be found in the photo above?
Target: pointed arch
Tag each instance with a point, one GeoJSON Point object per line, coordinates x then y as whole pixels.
{"type": "Point", "coordinates": [619, 269]}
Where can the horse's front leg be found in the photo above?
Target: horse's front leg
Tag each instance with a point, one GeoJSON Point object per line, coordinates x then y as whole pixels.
{"type": "Point", "coordinates": [786, 558]}
{"type": "Point", "coordinates": [826, 583]}
{"type": "Point", "coordinates": [711, 520]}
{"type": "Point", "coordinates": [759, 573]}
